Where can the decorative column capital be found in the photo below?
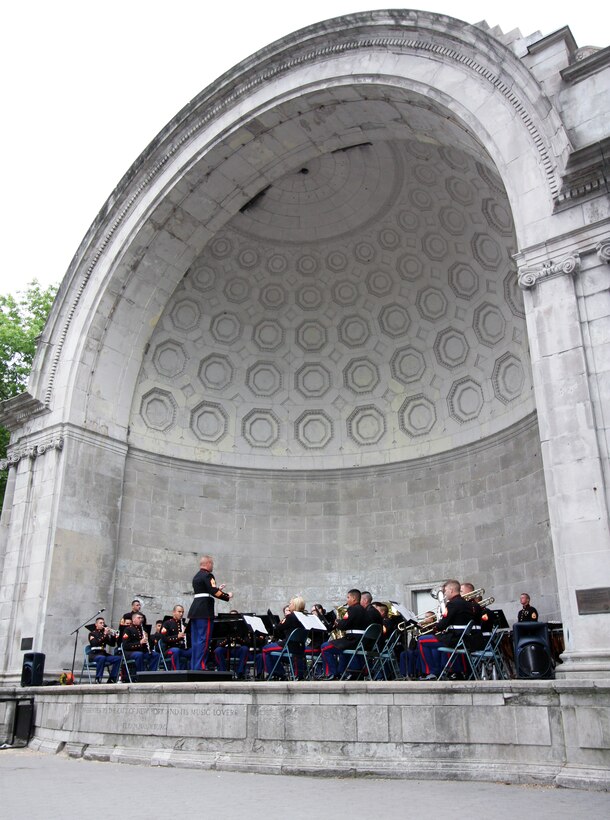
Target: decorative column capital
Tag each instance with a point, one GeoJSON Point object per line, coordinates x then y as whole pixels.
{"type": "Point", "coordinates": [31, 451]}
{"type": "Point", "coordinates": [528, 277]}
{"type": "Point", "coordinates": [603, 251]}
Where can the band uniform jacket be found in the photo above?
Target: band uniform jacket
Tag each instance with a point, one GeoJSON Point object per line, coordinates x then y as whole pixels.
{"type": "Point", "coordinates": [131, 637]}
{"type": "Point", "coordinates": [169, 633]}
{"type": "Point", "coordinates": [458, 613]}
{"type": "Point", "coordinates": [528, 613]}
{"type": "Point", "coordinates": [129, 615]}
{"type": "Point", "coordinates": [356, 617]}
{"type": "Point", "coordinates": [98, 641]}
{"type": "Point", "coordinates": [284, 629]}
{"type": "Point", "coordinates": [374, 615]}
{"type": "Point", "coordinates": [204, 584]}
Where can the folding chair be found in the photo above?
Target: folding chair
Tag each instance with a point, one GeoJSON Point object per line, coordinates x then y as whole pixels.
{"type": "Point", "coordinates": [292, 653]}
{"type": "Point", "coordinates": [460, 650]}
{"type": "Point", "coordinates": [367, 649]}
{"type": "Point", "coordinates": [88, 666]}
{"type": "Point", "coordinates": [128, 665]}
{"type": "Point", "coordinates": [489, 661]}
{"type": "Point", "coordinates": [387, 656]}
{"type": "Point", "coordinates": [165, 662]}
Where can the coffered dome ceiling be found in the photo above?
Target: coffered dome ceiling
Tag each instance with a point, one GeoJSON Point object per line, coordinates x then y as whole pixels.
{"type": "Point", "coordinates": [361, 309]}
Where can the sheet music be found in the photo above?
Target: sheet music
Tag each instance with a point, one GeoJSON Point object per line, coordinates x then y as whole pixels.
{"type": "Point", "coordinates": [310, 621]}
{"type": "Point", "coordinates": [255, 623]}
{"type": "Point", "coordinates": [407, 614]}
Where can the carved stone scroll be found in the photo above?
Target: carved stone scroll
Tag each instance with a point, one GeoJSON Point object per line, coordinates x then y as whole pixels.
{"type": "Point", "coordinates": [528, 277]}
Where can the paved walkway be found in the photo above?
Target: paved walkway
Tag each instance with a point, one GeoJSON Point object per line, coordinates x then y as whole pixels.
{"type": "Point", "coordinates": [44, 787]}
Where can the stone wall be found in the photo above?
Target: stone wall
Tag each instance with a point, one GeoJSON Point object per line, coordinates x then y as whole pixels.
{"type": "Point", "coordinates": [478, 513]}
{"type": "Point", "coordinates": [548, 732]}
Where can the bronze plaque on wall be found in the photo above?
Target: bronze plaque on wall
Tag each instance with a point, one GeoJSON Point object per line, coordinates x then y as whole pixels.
{"type": "Point", "coordinates": [593, 601]}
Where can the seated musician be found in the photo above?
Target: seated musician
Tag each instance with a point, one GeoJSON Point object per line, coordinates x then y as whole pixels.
{"type": "Point", "coordinates": [99, 638]}
{"type": "Point", "coordinates": [353, 624]}
{"type": "Point", "coordinates": [366, 600]}
{"type": "Point", "coordinates": [136, 645]}
{"type": "Point", "coordinates": [319, 636]}
{"type": "Point", "coordinates": [409, 661]}
{"type": "Point", "coordinates": [232, 647]}
{"type": "Point", "coordinates": [281, 633]}
{"type": "Point", "coordinates": [156, 636]}
{"type": "Point", "coordinates": [458, 613]}
{"type": "Point", "coordinates": [174, 637]}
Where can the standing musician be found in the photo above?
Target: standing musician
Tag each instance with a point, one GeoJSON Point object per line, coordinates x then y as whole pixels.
{"type": "Point", "coordinates": [201, 613]}
{"type": "Point", "coordinates": [136, 607]}
{"type": "Point", "coordinates": [232, 647]}
{"type": "Point", "coordinates": [527, 612]}
{"type": "Point", "coordinates": [136, 645]}
{"type": "Point", "coordinates": [354, 624]}
{"type": "Point", "coordinates": [175, 639]}
{"type": "Point", "coordinates": [458, 614]}
{"type": "Point", "coordinates": [281, 633]}
{"type": "Point", "coordinates": [99, 637]}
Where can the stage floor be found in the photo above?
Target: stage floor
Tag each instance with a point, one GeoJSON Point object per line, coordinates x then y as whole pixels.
{"type": "Point", "coordinates": [547, 732]}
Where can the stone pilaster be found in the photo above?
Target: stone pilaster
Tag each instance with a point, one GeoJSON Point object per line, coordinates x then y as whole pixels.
{"type": "Point", "coordinates": [566, 300]}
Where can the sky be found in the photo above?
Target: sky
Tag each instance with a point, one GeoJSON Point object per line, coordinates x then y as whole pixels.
{"type": "Point", "coordinates": [86, 85]}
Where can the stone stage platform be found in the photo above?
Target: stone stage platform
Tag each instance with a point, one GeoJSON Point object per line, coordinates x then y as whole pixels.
{"type": "Point", "coordinates": [547, 732]}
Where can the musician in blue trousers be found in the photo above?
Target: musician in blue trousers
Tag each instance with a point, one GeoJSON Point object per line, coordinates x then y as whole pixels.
{"type": "Point", "coordinates": [201, 613]}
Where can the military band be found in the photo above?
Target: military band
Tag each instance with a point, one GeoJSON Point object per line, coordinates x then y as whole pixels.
{"type": "Point", "coordinates": [414, 645]}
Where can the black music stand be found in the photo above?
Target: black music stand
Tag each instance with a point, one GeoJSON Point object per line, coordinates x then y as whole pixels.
{"type": "Point", "coordinates": [229, 626]}
{"type": "Point", "coordinates": [75, 633]}
{"type": "Point", "coordinates": [268, 623]}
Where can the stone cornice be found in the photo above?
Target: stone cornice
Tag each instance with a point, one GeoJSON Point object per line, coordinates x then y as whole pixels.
{"type": "Point", "coordinates": [32, 451]}
{"type": "Point", "coordinates": [528, 277]}
{"type": "Point", "coordinates": [562, 35]}
{"type": "Point", "coordinates": [587, 173]}
{"type": "Point", "coordinates": [586, 63]}
{"type": "Point", "coordinates": [17, 410]}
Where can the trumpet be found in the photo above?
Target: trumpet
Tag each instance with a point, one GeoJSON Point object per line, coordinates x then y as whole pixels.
{"type": "Point", "coordinates": [422, 622]}
{"type": "Point", "coordinates": [183, 629]}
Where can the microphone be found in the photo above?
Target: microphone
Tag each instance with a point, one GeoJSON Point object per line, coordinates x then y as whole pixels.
{"type": "Point", "coordinates": [100, 612]}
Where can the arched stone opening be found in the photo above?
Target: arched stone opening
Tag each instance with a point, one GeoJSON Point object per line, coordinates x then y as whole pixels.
{"type": "Point", "coordinates": [294, 337]}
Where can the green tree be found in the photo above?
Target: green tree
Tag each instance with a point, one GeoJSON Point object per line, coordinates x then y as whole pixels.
{"type": "Point", "coordinates": [22, 318]}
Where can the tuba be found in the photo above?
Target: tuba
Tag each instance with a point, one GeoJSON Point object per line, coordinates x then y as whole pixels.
{"type": "Point", "coordinates": [337, 633]}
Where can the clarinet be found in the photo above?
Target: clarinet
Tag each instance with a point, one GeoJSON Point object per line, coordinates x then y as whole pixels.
{"type": "Point", "coordinates": [183, 629]}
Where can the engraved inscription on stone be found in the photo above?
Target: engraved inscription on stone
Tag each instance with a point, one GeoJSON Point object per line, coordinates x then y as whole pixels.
{"type": "Point", "coordinates": [211, 720]}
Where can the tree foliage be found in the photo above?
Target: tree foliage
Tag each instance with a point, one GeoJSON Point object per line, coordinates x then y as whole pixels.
{"type": "Point", "coordinates": [22, 318]}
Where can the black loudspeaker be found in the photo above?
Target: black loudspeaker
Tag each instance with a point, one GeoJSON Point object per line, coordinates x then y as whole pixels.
{"type": "Point", "coordinates": [32, 671]}
{"type": "Point", "coordinates": [532, 644]}
{"type": "Point", "coordinates": [24, 722]}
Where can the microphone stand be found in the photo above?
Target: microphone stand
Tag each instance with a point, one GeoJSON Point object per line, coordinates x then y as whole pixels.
{"type": "Point", "coordinates": [75, 633]}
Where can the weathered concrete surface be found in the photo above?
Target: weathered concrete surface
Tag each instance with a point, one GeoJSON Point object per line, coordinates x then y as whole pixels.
{"type": "Point", "coordinates": [242, 796]}
{"type": "Point", "coordinates": [545, 732]}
